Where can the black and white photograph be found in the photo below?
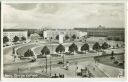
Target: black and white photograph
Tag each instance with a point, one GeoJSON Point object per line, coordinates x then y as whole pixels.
{"type": "Point", "coordinates": [63, 40]}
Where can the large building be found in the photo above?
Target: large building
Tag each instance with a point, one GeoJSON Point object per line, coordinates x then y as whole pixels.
{"type": "Point", "coordinates": [102, 31]}
{"type": "Point", "coordinates": [11, 33]}
{"type": "Point", "coordinates": [53, 33]}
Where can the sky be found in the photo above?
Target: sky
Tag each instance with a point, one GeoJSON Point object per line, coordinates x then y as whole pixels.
{"type": "Point", "coordinates": [62, 15]}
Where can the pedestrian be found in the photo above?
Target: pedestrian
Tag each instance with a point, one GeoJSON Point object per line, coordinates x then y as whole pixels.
{"type": "Point", "coordinates": [77, 68]}
{"type": "Point", "coordinates": [59, 75]}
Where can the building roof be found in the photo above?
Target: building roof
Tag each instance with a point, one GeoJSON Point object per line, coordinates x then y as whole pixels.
{"type": "Point", "coordinates": [100, 29]}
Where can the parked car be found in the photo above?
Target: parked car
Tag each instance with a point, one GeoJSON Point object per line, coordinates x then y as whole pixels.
{"type": "Point", "coordinates": [84, 73]}
{"type": "Point", "coordinates": [60, 62]}
{"type": "Point", "coordinates": [81, 52]}
{"type": "Point", "coordinates": [92, 51]}
{"type": "Point", "coordinates": [68, 53]}
{"type": "Point", "coordinates": [33, 60]}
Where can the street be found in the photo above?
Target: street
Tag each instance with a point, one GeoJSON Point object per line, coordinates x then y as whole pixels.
{"type": "Point", "coordinates": [39, 66]}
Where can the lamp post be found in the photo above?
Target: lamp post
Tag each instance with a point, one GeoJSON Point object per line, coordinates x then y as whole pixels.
{"type": "Point", "coordinates": [46, 63]}
{"type": "Point", "coordinates": [63, 60]}
{"type": "Point", "coordinates": [48, 56]}
{"type": "Point", "coordinates": [76, 63]}
{"type": "Point", "coordinates": [50, 65]}
{"type": "Point", "coordinates": [45, 51]}
{"type": "Point", "coordinates": [14, 53]}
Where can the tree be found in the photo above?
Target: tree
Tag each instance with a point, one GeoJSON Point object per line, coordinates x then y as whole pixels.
{"type": "Point", "coordinates": [96, 46]}
{"type": "Point", "coordinates": [5, 39]}
{"type": "Point", "coordinates": [123, 38]}
{"type": "Point", "coordinates": [74, 37]}
{"type": "Point", "coordinates": [23, 38]}
{"type": "Point", "coordinates": [45, 51]}
{"type": "Point", "coordinates": [57, 37]}
{"type": "Point", "coordinates": [60, 48]}
{"type": "Point", "coordinates": [41, 34]}
{"type": "Point", "coordinates": [85, 47]}
{"type": "Point", "coordinates": [66, 37]}
{"type": "Point", "coordinates": [15, 39]}
{"type": "Point", "coordinates": [28, 53]}
{"type": "Point", "coordinates": [31, 31]}
{"type": "Point", "coordinates": [105, 45]}
{"type": "Point", "coordinates": [73, 48]}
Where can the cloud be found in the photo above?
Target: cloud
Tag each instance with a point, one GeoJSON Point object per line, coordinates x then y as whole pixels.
{"type": "Point", "coordinates": [23, 6]}
{"type": "Point", "coordinates": [34, 15]}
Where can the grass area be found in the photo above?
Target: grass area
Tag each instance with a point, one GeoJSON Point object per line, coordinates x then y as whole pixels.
{"type": "Point", "coordinates": [23, 49]}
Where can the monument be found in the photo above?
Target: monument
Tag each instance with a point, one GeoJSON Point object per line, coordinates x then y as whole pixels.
{"type": "Point", "coordinates": [61, 36]}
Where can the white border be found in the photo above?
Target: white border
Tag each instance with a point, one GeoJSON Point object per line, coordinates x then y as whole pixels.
{"type": "Point", "coordinates": [70, 1]}
{"type": "Point", "coordinates": [1, 42]}
{"type": "Point", "coordinates": [64, 79]}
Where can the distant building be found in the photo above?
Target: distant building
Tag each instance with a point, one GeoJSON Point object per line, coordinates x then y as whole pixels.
{"type": "Point", "coordinates": [11, 33]}
{"type": "Point", "coordinates": [102, 31]}
{"type": "Point", "coordinates": [61, 37]}
{"type": "Point", "coordinates": [38, 31]}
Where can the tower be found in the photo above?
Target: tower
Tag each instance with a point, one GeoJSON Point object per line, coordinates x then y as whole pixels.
{"type": "Point", "coordinates": [61, 37]}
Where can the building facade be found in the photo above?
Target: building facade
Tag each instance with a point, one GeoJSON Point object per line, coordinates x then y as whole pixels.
{"type": "Point", "coordinates": [99, 31]}
{"type": "Point", "coordinates": [53, 33]}
{"type": "Point", "coordinates": [11, 33]}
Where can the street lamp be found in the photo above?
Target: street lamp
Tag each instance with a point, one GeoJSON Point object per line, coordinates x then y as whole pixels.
{"type": "Point", "coordinates": [48, 56]}
{"type": "Point", "coordinates": [63, 60]}
{"type": "Point", "coordinates": [76, 63]}
{"type": "Point", "coordinates": [50, 65]}
{"type": "Point", "coordinates": [18, 70]}
{"type": "Point", "coordinates": [14, 53]}
{"type": "Point", "coordinates": [46, 63]}
{"type": "Point", "coordinates": [62, 55]}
